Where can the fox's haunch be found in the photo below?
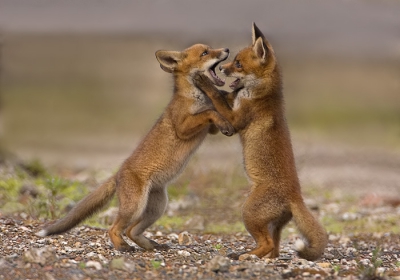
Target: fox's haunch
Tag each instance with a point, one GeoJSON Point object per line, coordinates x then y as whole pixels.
{"type": "Point", "coordinates": [84, 209]}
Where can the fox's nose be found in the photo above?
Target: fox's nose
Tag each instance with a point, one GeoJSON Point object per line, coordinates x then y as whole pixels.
{"type": "Point", "coordinates": [226, 50]}
{"type": "Point", "coordinates": [220, 68]}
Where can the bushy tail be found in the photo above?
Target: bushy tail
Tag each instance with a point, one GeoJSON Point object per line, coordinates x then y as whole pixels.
{"type": "Point", "coordinates": [311, 230]}
{"type": "Point", "coordinates": [84, 209]}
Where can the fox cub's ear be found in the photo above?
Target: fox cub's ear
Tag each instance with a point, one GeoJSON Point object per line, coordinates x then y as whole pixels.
{"type": "Point", "coordinates": [168, 60]}
{"type": "Point", "coordinates": [256, 33]}
{"type": "Point", "coordinates": [260, 49]}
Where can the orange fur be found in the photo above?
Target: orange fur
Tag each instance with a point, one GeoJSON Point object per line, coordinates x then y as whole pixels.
{"type": "Point", "coordinates": [255, 108]}
{"type": "Point", "coordinates": [141, 181]}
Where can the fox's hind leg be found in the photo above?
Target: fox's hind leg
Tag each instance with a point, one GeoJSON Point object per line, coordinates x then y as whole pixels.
{"type": "Point", "coordinates": [156, 205]}
{"type": "Point", "coordinates": [261, 214]}
{"type": "Point", "coordinates": [115, 233]}
{"type": "Point", "coordinates": [132, 195]}
{"type": "Point", "coordinates": [276, 231]}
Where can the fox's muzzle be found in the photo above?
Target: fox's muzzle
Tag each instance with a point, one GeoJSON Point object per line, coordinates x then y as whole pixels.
{"type": "Point", "coordinates": [225, 69]}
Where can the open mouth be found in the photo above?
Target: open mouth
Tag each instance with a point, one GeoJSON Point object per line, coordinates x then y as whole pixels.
{"type": "Point", "coordinates": [217, 80]}
{"type": "Point", "coordinates": [234, 84]}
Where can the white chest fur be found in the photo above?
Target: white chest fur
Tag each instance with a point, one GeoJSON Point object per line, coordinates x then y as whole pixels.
{"type": "Point", "coordinates": [242, 94]}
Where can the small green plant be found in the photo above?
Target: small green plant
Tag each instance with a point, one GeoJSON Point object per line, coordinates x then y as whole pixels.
{"type": "Point", "coordinates": [9, 188]}
{"type": "Point", "coordinates": [54, 186]}
{"type": "Point", "coordinates": [370, 271]}
{"type": "Point", "coordinates": [156, 264]}
{"type": "Point", "coordinates": [57, 193]}
{"type": "Point", "coordinates": [82, 265]}
{"type": "Point", "coordinates": [336, 268]}
{"type": "Point", "coordinates": [218, 246]}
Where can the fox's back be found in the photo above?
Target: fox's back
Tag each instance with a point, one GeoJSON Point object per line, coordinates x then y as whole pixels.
{"type": "Point", "coordinates": [161, 155]}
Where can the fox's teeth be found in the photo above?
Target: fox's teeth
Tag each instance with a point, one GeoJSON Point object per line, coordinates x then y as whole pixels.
{"type": "Point", "coordinates": [217, 80]}
{"type": "Point", "coordinates": [234, 84]}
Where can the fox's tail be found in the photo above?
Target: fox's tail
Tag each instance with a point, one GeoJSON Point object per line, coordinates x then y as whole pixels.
{"type": "Point", "coordinates": [85, 208]}
{"type": "Point", "coordinates": [315, 235]}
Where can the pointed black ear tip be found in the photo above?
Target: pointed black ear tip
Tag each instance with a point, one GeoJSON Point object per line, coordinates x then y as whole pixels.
{"type": "Point", "coordinates": [256, 30]}
{"type": "Point", "coordinates": [255, 27]}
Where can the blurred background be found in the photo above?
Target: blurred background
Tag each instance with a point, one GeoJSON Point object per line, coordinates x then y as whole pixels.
{"type": "Point", "coordinates": [80, 85]}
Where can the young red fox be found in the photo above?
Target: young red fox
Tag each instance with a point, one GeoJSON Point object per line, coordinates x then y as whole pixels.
{"type": "Point", "coordinates": [255, 108]}
{"type": "Point", "coordinates": [141, 181]}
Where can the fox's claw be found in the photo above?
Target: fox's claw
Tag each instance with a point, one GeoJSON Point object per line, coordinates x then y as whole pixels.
{"type": "Point", "coordinates": [227, 130]}
{"type": "Point", "coordinates": [125, 248]}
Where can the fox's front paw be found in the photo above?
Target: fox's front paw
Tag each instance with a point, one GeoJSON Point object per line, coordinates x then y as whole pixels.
{"type": "Point", "coordinates": [201, 80]}
{"type": "Point", "coordinates": [227, 129]}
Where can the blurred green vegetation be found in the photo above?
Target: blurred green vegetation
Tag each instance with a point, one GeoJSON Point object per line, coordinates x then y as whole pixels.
{"type": "Point", "coordinates": [48, 196]}
{"type": "Point", "coordinates": [30, 189]}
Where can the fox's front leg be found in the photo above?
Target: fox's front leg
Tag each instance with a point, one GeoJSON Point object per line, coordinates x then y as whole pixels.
{"type": "Point", "coordinates": [220, 99]}
{"type": "Point", "coordinates": [202, 82]}
{"type": "Point", "coordinates": [193, 124]}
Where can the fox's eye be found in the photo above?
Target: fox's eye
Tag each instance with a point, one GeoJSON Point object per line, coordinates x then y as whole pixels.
{"type": "Point", "coordinates": [204, 53]}
{"type": "Point", "coordinates": [237, 64]}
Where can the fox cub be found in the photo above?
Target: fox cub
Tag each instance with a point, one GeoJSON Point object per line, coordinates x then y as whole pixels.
{"type": "Point", "coordinates": [141, 181]}
{"type": "Point", "coordinates": [255, 108]}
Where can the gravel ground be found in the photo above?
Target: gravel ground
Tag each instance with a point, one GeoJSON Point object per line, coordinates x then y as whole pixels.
{"type": "Point", "coordinates": [86, 253]}
{"type": "Point", "coordinates": [362, 250]}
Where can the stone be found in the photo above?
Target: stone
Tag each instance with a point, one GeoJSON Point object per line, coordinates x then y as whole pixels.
{"type": "Point", "coordinates": [3, 264]}
{"type": "Point", "coordinates": [184, 238]}
{"type": "Point", "coordinates": [94, 264]}
{"type": "Point", "coordinates": [219, 264]}
{"type": "Point", "coordinates": [184, 253]}
{"type": "Point", "coordinates": [122, 264]}
{"type": "Point", "coordinates": [41, 256]}
{"type": "Point", "coordinates": [49, 276]}
{"type": "Point", "coordinates": [287, 273]}
{"type": "Point", "coordinates": [247, 257]}
{"type": "Point", "coordinates": [324, 265]}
